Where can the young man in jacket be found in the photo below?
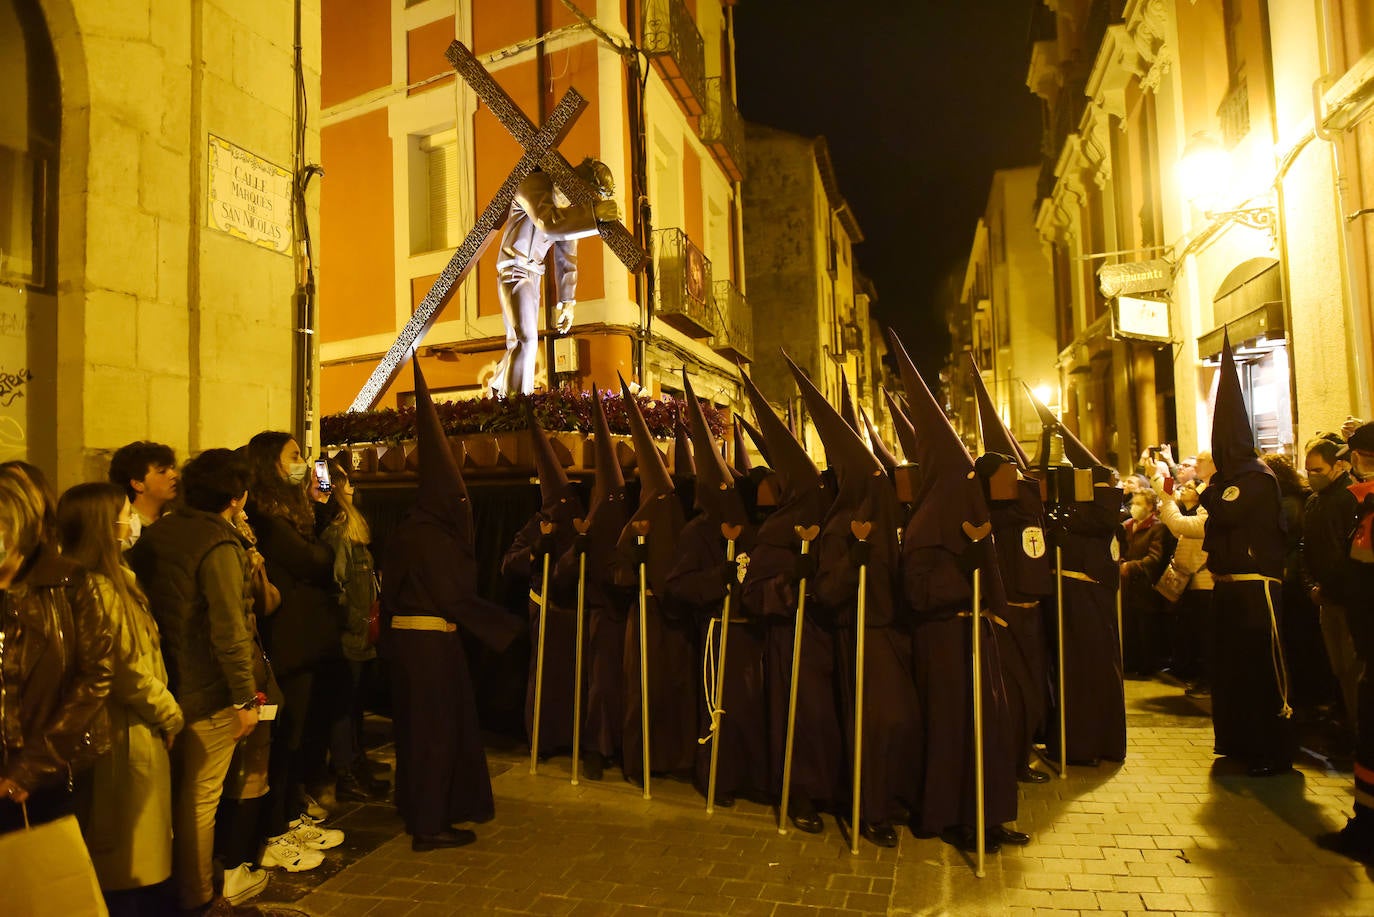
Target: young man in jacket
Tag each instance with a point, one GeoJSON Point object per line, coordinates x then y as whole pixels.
{"type": "Point", "coordinates": [195, 573]}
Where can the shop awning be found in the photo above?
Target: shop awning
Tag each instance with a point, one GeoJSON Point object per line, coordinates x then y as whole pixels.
{"type": "Point", "coordinates": [1266, 322]}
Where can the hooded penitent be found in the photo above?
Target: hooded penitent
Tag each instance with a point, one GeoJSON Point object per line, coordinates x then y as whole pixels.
{"type": "Point", "coordinates": [716, 494]}
{"type": "Point", "coordinates": [442, 493]}
{"type": "Point", "coordinates": [557, 499]}
{"type": "Point", "coordinates": [670, 635]}
{"type": "Point", "coordinates": [756, 438]}
{"type": "Point", "coordinates": [950, 502]}
{"type": "Point", "coordinates": [995, 435]}
{"type": "Point", "coordinates": [892, 720]}
{"type": "Point", "coordinates": [743, 464]}
{"type": "Point", "coordinates": [684, 461]}
{"type": "Point", "coordinates": [847, 412]}
{"type": "Point", "coordinates": [658, 502]}
{"type": "Point", "coordinates": [901, 424]}
{"type": "Point", "coordinates": [884, 454]}
{"type": "Point", "coordinates": [1233, 439]}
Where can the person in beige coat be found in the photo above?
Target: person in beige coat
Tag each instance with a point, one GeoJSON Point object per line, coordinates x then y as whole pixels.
{"type": "Point", "coordinates": [124, 802]}
{"type": "Point", "coordinates": [1193, 632]}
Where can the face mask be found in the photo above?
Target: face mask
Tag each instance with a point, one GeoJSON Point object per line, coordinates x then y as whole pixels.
{"type": "Point", "coordinates": [135, 529]}
{"type": "Point", "coordinates": [1319, 481]}
{"type": "Point", "coordinates": [1138, 513]}
{"type": "Point", "coordinates": [295, 472]}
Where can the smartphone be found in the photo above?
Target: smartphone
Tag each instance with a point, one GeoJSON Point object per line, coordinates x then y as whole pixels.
{"type": "Point", "coordinates": [322, 476]}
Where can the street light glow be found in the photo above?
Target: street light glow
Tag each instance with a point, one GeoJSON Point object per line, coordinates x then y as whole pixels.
{"type": "Point", "coordinates": [1043, 393]}
{"type": "Point", "coordinates": [1204, 171]}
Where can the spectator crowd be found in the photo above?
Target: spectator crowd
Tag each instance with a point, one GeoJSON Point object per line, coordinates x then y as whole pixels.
{"type": "Point", "coordinates": [183, 651]}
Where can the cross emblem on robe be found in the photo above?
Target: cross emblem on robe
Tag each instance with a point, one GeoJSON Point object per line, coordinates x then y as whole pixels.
{"type": "Point", "coordinates": [541, 151]}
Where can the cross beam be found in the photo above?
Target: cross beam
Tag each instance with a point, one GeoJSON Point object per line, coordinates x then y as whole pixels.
{"type": "Point", "coordinates": [540, 146]}
{"type": "Point", "coordinates": [617, 238]}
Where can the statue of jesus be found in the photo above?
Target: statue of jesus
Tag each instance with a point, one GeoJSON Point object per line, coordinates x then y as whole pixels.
{"type": "Point", "coordinates": [541, 220]}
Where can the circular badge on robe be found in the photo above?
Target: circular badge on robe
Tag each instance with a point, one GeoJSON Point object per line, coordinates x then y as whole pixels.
{"type": "Point", "coordinates": [741, 565]}
{"type": "Point", "coordinates": [1231, 494]}
{"type": "Point", "coordinates": [1033, 541]}
{"type": "Point", "coordinates": [1115, 549]}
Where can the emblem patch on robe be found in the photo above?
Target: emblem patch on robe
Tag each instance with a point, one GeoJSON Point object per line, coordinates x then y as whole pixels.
{"type": "Point", "coordinates": [1115, 549]}
{"type": "Point", "coordinates": [741, 565]}
{"type": "Point", "coordinates": [1033, 541]}
{"type": "Point", "coordinates": [1231, 494]}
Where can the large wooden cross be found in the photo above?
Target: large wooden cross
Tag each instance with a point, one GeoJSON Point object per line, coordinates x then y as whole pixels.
{"type": "Point", "coordinates": [541, 150]}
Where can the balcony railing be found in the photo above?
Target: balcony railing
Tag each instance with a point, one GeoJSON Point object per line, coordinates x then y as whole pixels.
{"type": "Point", "coordinates": [678, 53]}
{"type": "Point", "coordinates": [1234, 113]}
{"type": "Point", "coordinates": [735, 335]}
{"type": "Point", "coordinates": [722, 129]}
{"type": "Point", "coordinates": [684, 285]}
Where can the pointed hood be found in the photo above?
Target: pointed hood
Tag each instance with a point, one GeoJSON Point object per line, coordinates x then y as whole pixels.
{"type": "Point", "coordinates": [884, 454]}
{"type": "Point", "coordinates": [609, 478]}
{"type": "Point", "coordinates": [847, 411]}
{"type": "Point", "coordinates": [554, 488]}
{"type": "Point", "coordinates": [950, 501]}
{"type": "Point", "coordinates": [906, 433]}
{"type": "Point", "coordinates": [743, 464]}
{"type": "Point", "coordinates": [994, 434]}
{"type": "Point", "coordinates": [608, 511]}
{"type": "Point", "coordinates": [715, 494]}
{"type": "Point", "coordinates": [684, 462]}
{"type": "Point", "coordinates": [1233, 439]}
{"type": "Point", "coordinates": [442, 492]}
{"type": "Point", "coordinates": [1075, 453]}
{"type": "Point", "coordinates": [845, 452]}
{"type": "Point", "coordinates": [755, 437]}
{"type": "Point", "coordinates": [785, 453]}
{"type": "Point", "coordinates": [654, 480]}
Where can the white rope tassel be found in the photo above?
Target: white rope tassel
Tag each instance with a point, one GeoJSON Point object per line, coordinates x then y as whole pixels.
{"type": "Point", "coordinates": [708, 682]}
{"type": "Point", "coordinates": [1276, 651]}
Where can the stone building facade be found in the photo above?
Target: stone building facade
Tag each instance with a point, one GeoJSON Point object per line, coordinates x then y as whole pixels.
{"type": "Point", "coordinates": [149, 269]}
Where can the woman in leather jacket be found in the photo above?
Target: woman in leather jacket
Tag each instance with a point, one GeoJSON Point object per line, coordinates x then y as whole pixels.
{"type": "Point", "coordinates": [56, 652]}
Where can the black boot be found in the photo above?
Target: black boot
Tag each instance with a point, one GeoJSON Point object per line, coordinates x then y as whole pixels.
{"type": "Point", "coordinates": [882, 835]}
{"type": "Point", "coordinates": [1028, 774]}
{"type": "Point", "coordinates": [1004, 835]}
{"type": "Point", "coordinates": [1355, 840]}
{"type": "Point", "coordinates": [804, 816]}
{"type": "Point", "coordinates": [351, 787]}
{"type": "Point", "coordinates": [451, 837]}
{"type": "Point", "coordinates": [966, 839]}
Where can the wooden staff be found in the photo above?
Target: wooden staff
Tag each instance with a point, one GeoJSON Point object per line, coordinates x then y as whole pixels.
{"type": "Point", "coordinates": [807, 535]}
{"type": "Point", "coordinates": [641, 528]}
{"type": "Point", "coordinates": [579, 546]}
{"type": "Point", "coordinates": [545, 530]}
{"type": "Point", "coordinates": [1059, 606]}
{"type": "Point", "coordinates": [731, 533]}
{"type": "Point", "coordinates": [980, 828]}
{"type": "Point", "coordinates": [860, 531]}
{"type": "Point", "coordinates": [1120, 634]}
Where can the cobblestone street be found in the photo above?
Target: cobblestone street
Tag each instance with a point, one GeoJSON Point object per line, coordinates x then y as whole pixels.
{"type": "Point", "coordinates": [1168, 832]}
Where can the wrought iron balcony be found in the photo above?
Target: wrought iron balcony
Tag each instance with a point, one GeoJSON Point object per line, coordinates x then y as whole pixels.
{"type": "Point", "coordinates": [684, 285]}
{"type": "Point", "coordinates": [735, 336]}
{"type": "Point", "coordinates": [678, 53]}
{"type": "Point", "coordinates": [1234, 113]}
{"type": "Point", "coordinates": [722, 128]}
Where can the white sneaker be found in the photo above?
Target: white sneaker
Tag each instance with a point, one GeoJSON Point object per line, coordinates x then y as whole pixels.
{"type": "Point", "coordinates": [306, 832]}
{"type": "Point", "coordinates": [243, 883]}
{"type": "Point", "coordinates": [283, 852]}
{"type": "Point", "coordinates": [314, 809]}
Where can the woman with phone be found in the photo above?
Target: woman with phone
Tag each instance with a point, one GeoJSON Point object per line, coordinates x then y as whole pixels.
{"type": "Point", "coordinates": [288, 511]}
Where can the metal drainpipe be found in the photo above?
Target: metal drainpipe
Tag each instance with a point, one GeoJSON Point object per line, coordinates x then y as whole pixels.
{"type": "Point", "coordinates": [645, 280]}
{"type": "Point", "coordinates": [550, 286]}
{"type": "Point", "coordinates": [1356, 312]}
{"type": "Point", "coordinates": [302, 419]}
{"type": "Point", "coordinates": [1280, 216]}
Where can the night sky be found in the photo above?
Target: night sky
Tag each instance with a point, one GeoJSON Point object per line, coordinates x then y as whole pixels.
{"type": "Point", "coordinates": [919, 100]}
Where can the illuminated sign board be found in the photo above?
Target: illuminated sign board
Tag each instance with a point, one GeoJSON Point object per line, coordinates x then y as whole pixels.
{"type": "Point", "coordinates": [1146, 319]}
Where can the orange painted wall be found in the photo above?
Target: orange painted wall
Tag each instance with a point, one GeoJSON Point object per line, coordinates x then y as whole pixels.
{"type": "Point", "coordinates": [356, 48]}
{"type": "Point", "coordinates": [693, 219]}
{"type": "Point", "coordinates": [357, 272]}
{"type": "Point", "coordinates": [604, 356]}
{"type": "Point", "coordinates": [425, 48]}
{"type": "Point", "coordinates": [499, 23]}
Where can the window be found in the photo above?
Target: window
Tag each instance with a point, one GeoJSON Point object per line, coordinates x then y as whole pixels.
{"type": "Point", "coordinates": [435, 219]}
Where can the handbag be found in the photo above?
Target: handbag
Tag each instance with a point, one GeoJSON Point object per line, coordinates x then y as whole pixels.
{"type": "Point", "coordinates": [46, 869]}
{"type": "Point", "coordinates": [1173, 581]}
